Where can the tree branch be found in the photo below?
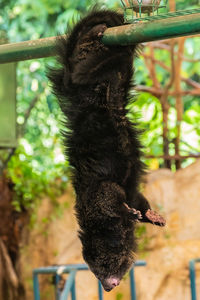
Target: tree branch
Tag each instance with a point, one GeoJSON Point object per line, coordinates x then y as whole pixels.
{"type": "Point", "coordinates": [171, 157]}
{"type": "Point", "coordinates": [179, 104]}
{"type": "Point", "coordinates": [160, 63]}
{"type": "Point", "coordinates": [158, 93]}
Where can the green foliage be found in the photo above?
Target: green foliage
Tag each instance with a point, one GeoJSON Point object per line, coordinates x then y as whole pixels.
{"type": "Point", "coordinates": [147, 111]}
{"type": "Point", "coordinates": [141, 235]}
{"type": "Point", "coordinates": [38, 167]}
{"type": "Point", "coordinates": [119, 296]}
{"type": "Point", "coordinates": [30, 184]}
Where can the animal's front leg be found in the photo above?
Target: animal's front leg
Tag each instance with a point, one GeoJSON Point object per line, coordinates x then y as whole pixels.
{"type": "Point", "coordinates": [147, 214]}
{"type": "Point", "coordinates": [133, 213]}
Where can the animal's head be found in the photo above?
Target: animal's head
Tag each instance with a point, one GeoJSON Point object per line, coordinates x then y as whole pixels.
{"type": "Point", "coordinates": [109, 257]}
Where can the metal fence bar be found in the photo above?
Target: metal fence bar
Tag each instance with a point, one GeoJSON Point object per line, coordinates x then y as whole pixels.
{"type": "Point", "coordinates": [122, 35]}
{"type": "Point", "coordinates": [57, 290]}
{"type": "Point", "coordinates": [73, 291]}
{"type": "Point", "coordinates": [132, 284]}
{"type": "Point", "coordinates": [55, 270]}
{"type": "Point", "coordinates": [36, 289]}
{"type": "Point", "coordinates": [139, 263]}
{"type": "Point", "coordinates": [65, 268]}
{"type": "Point", "coordinates": [68, 286]}
{"type": "Point", "coordinates": [100, 290]}
{"type": "Point", "coordinates": [70, 283]}
{"type": "Point", "coordinates": [193, 278]}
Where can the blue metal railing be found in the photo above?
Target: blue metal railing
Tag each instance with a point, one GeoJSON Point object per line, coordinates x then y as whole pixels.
{"type": "Point", "coordinates": [69, 287]}
{"type": "Point", "coordinates": [193, 277]}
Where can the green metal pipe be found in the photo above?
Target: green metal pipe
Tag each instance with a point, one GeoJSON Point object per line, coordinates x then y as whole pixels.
{"type": "Point", "coordinates": [122, 35]}
{"type": "Point", "coordinates": [27, 50]}
{"type": "Point", "coordinates": [152, 31]}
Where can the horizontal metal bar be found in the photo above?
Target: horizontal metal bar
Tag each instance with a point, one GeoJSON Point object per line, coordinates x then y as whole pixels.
{"type": "Point", "coordinates": [152, 31]}
{"type": "Point", "coordinates": [67, 268]}
{"type": "Point", "coordinates": [122, 35]}
{"type": "Point", "coordinates": [27, 50]}
{"type": "Point", "coordinates": [60, 269]}
{"type": "Point", "coordinates": [140, 263]}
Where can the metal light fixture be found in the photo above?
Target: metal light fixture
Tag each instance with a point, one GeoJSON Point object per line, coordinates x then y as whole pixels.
{"type": "Point", "coordinates": [150, 10]}
{"type": "Point", "coordinates": [142, 9]}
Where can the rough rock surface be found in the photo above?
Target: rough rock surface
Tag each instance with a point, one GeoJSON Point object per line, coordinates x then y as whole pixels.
{"type": "Point", "coordinates": [168, 251]}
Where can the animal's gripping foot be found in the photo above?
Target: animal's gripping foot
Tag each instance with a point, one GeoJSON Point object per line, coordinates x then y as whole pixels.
{"type": "Point", "coordinates": [97, 31]}
{"type": "Point", "coordinates": [155, 218]}
{"type": "Point", "coordinates": [135, 214]}
{"type": "Point", "coordinates": [101, 28]}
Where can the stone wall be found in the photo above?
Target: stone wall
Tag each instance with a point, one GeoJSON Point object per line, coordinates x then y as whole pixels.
{"type": "Point", "coordinates": [176, 195]}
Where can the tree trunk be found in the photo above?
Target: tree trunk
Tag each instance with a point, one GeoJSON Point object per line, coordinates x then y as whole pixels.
{"type": "Point", "coordinates": [11, 225]}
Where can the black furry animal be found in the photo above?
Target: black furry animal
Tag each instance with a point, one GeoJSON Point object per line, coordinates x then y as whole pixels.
{"type": "Point", "coordinates": [102, 145]}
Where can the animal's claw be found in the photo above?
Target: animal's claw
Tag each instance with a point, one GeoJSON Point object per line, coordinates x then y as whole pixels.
{"type": "Point", "coordinates": [134, 212]}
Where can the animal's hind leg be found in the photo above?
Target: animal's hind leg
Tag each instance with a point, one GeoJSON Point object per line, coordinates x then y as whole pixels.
{"type": "Point", "coordinates": [147, 214]}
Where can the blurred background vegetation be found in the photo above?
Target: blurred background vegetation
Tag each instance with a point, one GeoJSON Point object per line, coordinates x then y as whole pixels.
{"type": "Point", "coordinates": [37, 167]}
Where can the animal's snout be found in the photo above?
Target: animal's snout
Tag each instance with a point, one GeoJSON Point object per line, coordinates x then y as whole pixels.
{"type": "Point", "coordinates": [114, 282]}
{"type": "Point", "coordinates": [110, 283]}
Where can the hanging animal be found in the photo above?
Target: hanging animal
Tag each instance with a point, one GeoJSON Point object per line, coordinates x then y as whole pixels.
{"type": "Point", "coordinates": [92, 84]}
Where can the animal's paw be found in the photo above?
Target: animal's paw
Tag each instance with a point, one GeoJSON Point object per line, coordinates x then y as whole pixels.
{"type": "Point", "coordinates": [155, 218]}
{"type": "Point", "coordinates": [95, 33]}
{"type": "Point", "coordinates": [101, 28]}
{"type": "Point", "coordinates": [135, 214]}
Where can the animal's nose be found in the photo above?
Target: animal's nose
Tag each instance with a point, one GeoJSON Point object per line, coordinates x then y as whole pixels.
{"type": "Point", "coordinates": [110, 283]}
{"type": "Point", "coordinates": [114, 282]}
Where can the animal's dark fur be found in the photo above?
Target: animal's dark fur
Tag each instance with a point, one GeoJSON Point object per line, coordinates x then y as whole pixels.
{"type": "Point", "coordinates": [102, 145]}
